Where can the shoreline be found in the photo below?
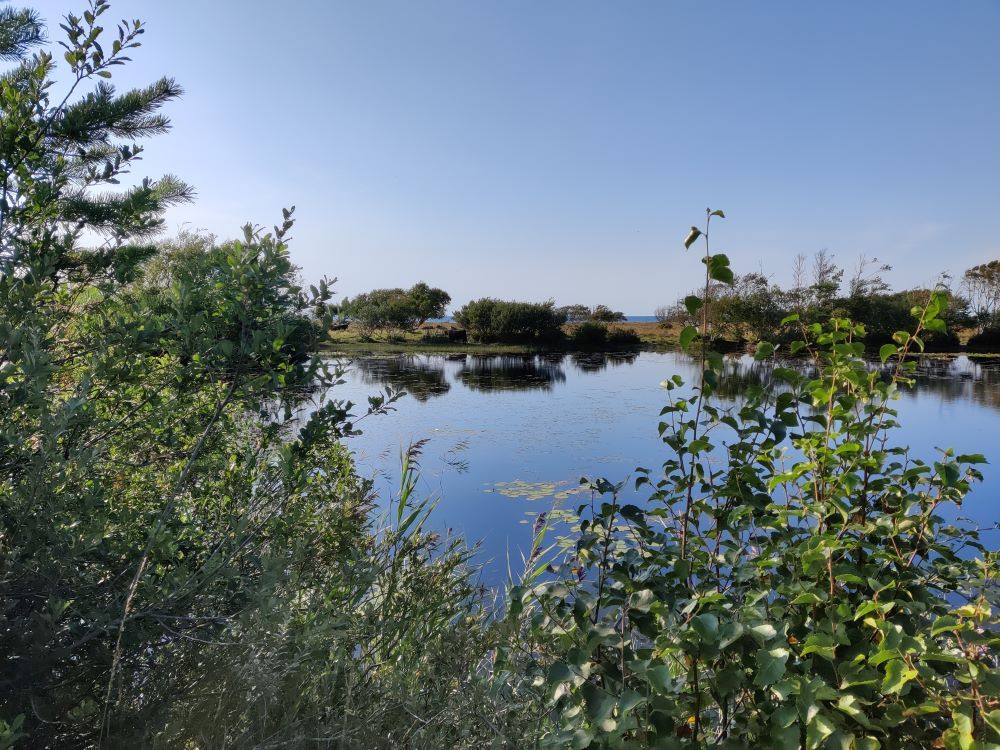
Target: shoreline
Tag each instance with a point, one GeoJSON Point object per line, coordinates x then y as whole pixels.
{"type": "Point", "coordinates": [653, 337]}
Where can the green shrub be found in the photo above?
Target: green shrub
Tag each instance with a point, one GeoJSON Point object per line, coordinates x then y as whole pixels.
{"type": "Point", "coordinates": [589, 335]}
{"type": "Point", "coordinates": [395, 311]}
{"type": "Point", "coordinates": [594, 335]}
{"type": "Point", "coordinates": [493, 320]}
{"type": "Point", "coordinates": [623, 337]}
{"type": "Point", "coordinates": [790, 581]}
{"type": "Point", "coordinates": [186, 559]}
{"type": "Point", "coordinates": [604, 314]}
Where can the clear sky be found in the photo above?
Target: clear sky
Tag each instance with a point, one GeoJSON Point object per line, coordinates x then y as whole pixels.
{"type": "Point", "coordinates": [528, 149]}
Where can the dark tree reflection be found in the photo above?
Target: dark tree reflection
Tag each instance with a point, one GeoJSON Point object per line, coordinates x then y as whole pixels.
{"type": "Point", "coordinates": [510, 372]}
{"type": "Point", "coordinates": [421, 377]}
{"type": "Point", "coordinates": [599, 361]}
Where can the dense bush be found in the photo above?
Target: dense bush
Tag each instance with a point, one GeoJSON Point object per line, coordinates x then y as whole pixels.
{"type": "Point", "coordinates": [623, 337]}
{"type": "Point", "coordinates": [604, 314]}
{"type": "Point", "coordinates": [395, 310]}
{"type": "Point", "coordinates": [186, 560]}
{"type": "Point", "coordinates": [581, 313]}
{"type": "Point", "coordinates": [493, 320]}
{"type": "Point", "coordinates": [589, 335]}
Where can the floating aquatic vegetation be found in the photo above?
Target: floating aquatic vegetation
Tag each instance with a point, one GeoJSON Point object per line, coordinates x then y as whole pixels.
{"type": "Point", "coordinates": [518, 488]}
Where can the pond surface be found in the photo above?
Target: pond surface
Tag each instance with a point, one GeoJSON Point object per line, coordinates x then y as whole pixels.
{"type": "Point", "coordinates": [510, 436]}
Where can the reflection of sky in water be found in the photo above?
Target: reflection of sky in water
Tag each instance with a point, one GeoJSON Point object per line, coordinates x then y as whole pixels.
{"type": "Point", "coordinates": [546, 421]}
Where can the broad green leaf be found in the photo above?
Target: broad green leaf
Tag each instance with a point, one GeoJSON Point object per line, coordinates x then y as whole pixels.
{"type": "Point", "coordinates": [763, 632]}
{"type": "Point", "coordinates": [764, 350]}
{"type": "Point", "coordinates": [771, 665]}
{"type": "Point", "coordinates": [693, 303]}
{"type": "Point", "coordinates": [959, 736]}
{"type": "Point", "coordinates": [642, 600]}
{"type": "Point", "coordinates": [821, 644]}
{"type": "Point", "coordinates": [818, 729]}
{"type": "Point", "coordinates": [707, 626]}
{"type": "Point", "coordinates": [897, 674]}
{"type": "Point", "coordinates": [600, 703]}
{"type": "Point", "coordinates": [692, 237]}
{"type": "Point", "coordinates": [687, 336]}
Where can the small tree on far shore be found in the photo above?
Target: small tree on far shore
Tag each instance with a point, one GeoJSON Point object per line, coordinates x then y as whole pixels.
{"type": "Point", "coordinates": [397, 309]}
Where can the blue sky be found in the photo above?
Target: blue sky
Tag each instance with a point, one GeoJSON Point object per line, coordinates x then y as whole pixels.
{"type": "Point", "coordinates": [526, 149]}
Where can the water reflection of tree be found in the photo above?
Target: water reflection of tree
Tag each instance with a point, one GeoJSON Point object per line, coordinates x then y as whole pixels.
{"type": "Point", "coordinates": [960, 379]}
{"type": "Point", "coordinates": [488, 373]}
{"type": "Point", "coordinates": [950, 378]}
{"type": "Point", "coordinates": [418, 376]}
{"type": "Point", "coordinates": [590, 362]}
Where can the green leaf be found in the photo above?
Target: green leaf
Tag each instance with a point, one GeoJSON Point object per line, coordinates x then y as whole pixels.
{"type": "Point", "coordinates": [897, 674]}
{"type": "Point", "coordinates": [993, 719]}
{"type": "Point", "coordinates": [771, 665]}
{"type": "Point", "coordinates": [729, 634]}
{"type": "Point", "coordinates": [971, 458]}
{"type": "Point", "coordinates": [687, 336]}
{"type": "Point", "coordinates": [659, 678]}
{"type": "Point", "coordinates": [944, 624]}
{"type": "Point", "coordinates": [763, 632]}
{"type": "Point", "coordinates": [718, 213]}
{"type": "Point", "coordinates": [693, 303]}
{"type": "Point", "coordinates": [629, 700]}
{"type": "Point", "coordinates": [818, 729]}
{"type": "Point", "coordinates": [707, 626]}
{"type": "Point", "coordinates": [959, 736]}
{"type": "Point", "coordinates": [807, 597]}
{"type": "Point", "coordinates": [642, 600]}
{"type": "Point", "coordinates": [764, 350]}
{"type": "Point", "coordinates": [886, 351]}
{"type": "Point", "coordinates": [785, 715]}
{"type": "Point", "coordinates": [559, 672]}
{"type": "Point", "coordinates": [793, 318]}
{"type": "Point", "coordinates": [718, 268]}
{"type": "Point", "coordinates": [821, 644]}
{"type": "Point", "coordinates": [692, 237]}
{"type": "Point", "coordinates": [600, 703]}
{"type": "Point", "coordinates": [851, 705]}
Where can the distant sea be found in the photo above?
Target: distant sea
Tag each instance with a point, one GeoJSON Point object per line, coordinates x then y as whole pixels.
{"type": "Point", "coordinates": [628, 318]}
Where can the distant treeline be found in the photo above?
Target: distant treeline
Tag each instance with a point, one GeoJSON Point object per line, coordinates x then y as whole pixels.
{"type": "Point", "coordinates": [752, 308]}
{"type": "Point", "coordinates": [397, 311]}
{"type": "Point", "coordinates": [748, 311]}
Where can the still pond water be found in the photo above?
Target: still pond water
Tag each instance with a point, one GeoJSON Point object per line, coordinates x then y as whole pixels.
{"type": "Point", "coordinates": [510, 436]}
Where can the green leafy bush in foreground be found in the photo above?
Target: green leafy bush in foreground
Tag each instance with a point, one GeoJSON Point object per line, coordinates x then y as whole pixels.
{"type": "Point", "coordinates": [187, 558]}
{"type": "Point", "coordinates": [791, 583]}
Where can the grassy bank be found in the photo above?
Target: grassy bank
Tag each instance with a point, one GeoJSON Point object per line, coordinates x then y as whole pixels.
{"type": "Point", "coordinates": [433, 338]}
